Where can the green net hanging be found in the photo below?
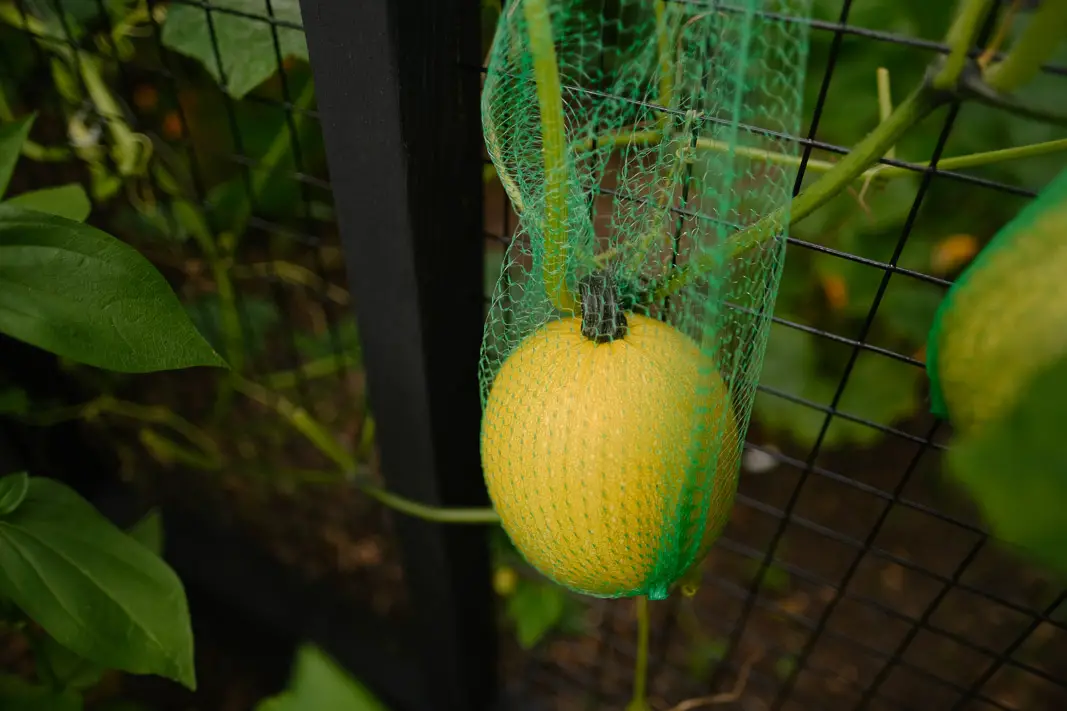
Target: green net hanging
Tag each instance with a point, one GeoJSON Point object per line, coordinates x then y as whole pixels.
{"type": "Point", "coordinates": [1005, 318]}
{"type": "Point", "coordinates": [636, 141]}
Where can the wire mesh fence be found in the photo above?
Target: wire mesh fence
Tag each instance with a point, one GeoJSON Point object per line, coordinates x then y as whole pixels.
{"type": "Point", "coordinates": [846, 579]}
{"type": "Point", "coordinates": [194, 128]}
{"type": "Point", "coordinates": [851, 576]}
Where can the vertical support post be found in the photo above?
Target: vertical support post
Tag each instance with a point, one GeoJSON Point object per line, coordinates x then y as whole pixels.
{"type": "Point", "coordinates": [398, 95]}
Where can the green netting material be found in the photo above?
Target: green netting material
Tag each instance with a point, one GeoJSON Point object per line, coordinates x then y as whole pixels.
{"type": "Point", "coordinates": [616, 400]}
{"type": "Point", "coordinates": [1004, 320]}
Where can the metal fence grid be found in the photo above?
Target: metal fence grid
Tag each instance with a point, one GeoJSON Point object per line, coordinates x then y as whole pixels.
{"type": "Point", "coordinates": [799, 647]}
{"type": "Point", "coordinates": [774, 648]}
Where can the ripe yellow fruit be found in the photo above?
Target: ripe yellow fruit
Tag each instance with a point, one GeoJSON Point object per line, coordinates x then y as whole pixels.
{"type": "Point", "coordinates": [586, 448]}
{"type": "Point", "coordinates": [1005, 323]}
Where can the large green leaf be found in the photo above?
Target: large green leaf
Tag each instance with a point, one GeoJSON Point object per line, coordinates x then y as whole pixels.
{"type": "Point", "coordinates": [535, 608]}
{"type": "Point", "coordinates": [12, 136]}
{"type": "Point", "coordinates": [82, 294]}
{"type": "Point", "coordinates": [245, 45]}
{"type": "Point", "coordinates": [98, 592]}
{"type": "Point", "coordinates": [13, 488]}
{"type": "Point", "coordinates": [319, 684]}
{"type": "Point", "coordinates": [69, 201]}
{"type": "Point", "coordinates": [1015, 468]}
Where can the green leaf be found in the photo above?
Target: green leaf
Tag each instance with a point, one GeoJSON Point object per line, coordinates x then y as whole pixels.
{"type": "Point", "coordinates": [319, 684]}
{"type": "Point", "coordinates": [12, 491]}
{"type": "Point", "coordinates": [69, 201]}
{"type": "Point", "coordinates": [245, 44]}
{"type": "Point", "coordinates": [149, 532]}
{"type": "Point", "coordinates": [80, 293]}
{"type": "Point", "coordinates": [17, 694]}
{"type": "Point", "coordinates": [535, 608]}
{"type": "Point", "coordinates": [62, 668]}
{"type": "Point", "coordinates": [14, 401]}
{"type": "Point", "coordinates": [78, 11]}
{"type": "Point", "coordinates": [94, 589]}
{"type": "Point", "coordinates": [12, 136]}
{"type": "Point", "coordinates": [1015, 468]}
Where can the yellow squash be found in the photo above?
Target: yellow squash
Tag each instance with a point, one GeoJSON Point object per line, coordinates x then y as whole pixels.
{"type": "Point", "coordinates": [586, 449]}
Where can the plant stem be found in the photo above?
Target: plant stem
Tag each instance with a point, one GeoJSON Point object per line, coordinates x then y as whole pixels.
{"type": "Point", "coordinates": [160, 415]}
{"type": "Point", "coordinates": [885, 102]}
{"type": "Point", "coordinates": [913, 109]}
{"type": "Point", "coordinates": [989, 157]}
{"type": "Point", "coordinates": [1003, 27]}
{"type": "Point", "coordinates": [968, 160]}
{"type": "Point", "coordinates": [1044, 32]}
{"type": "Point", "coordinates": [230, 319]}
{"type": "Point", "coordinates": [300, 419]}
{"type": "Point", "coordinates": [319, 368]}
{"type": "Point", "coordinates": [317, 434]}
{"type": "Point", "coordinates": [919, 104]}
{"type": "Point", "coordinates": [639, 702]}
{"type": "Point", "coordinates": [960, 37]}
{"type": "Point", "coordinates": [663, 45]}
{"type": "Point", "coordinates": [553, 152]}
{"type": "Point", "coordinates": [166, 450]}
{"type": "Point", "coordinates": [127, 147]}
{"type": "Point", "coordinates": [430, 513]}
{"type": "Point", "coordinates": [149, 414]}
{"type": "Point", "coordinates": [294, 274]}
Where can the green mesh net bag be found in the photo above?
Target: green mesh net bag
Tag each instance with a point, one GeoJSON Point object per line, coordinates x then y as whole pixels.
{"type": "Point", "coordinates": [1005, 318]}
{"type": "Point", "coordinates": [638, 142]}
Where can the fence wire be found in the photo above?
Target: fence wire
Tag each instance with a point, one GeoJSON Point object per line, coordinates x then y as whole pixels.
{"type": "Point", "coordinates": [902, 602]}
{"type": "Point", "coordinates": [824, 646]}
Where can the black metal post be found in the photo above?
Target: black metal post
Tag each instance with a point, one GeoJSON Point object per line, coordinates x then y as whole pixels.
{"type": "Point", "coordinates": [400, 120]}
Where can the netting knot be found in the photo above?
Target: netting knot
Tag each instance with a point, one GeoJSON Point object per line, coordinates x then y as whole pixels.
{"type": "Point", "coordinates": [603, 318]}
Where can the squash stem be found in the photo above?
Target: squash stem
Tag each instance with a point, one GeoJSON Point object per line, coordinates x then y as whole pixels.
{"type": "Point", "coordinates": [553, 151]}
{"type": "Point", "coordinates": [639, 701]}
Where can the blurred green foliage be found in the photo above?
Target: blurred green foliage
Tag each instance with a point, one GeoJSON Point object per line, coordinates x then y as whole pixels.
{"type": "Point", "coordinates": [830, 293]}
{"type": "Point", "coordinates": [1013, 466]}
{"type": "Point", "coordinates": [533, 606]}
{"type": "Point", "coordinates": [318, 683]}
{"type": "Point", "coordinates": [818, 290]}
{"type": "Point", "coordinates": [236, 49]}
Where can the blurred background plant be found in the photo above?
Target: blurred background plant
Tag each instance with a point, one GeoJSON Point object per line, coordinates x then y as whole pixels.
{"type": "Point", "coordinates": [196, 134]}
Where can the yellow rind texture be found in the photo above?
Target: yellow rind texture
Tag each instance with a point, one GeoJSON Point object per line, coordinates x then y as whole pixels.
{"type": "Point", "coordinates": [586, 450]}
{"type": "Point", "coordinates": [1008, 322]}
